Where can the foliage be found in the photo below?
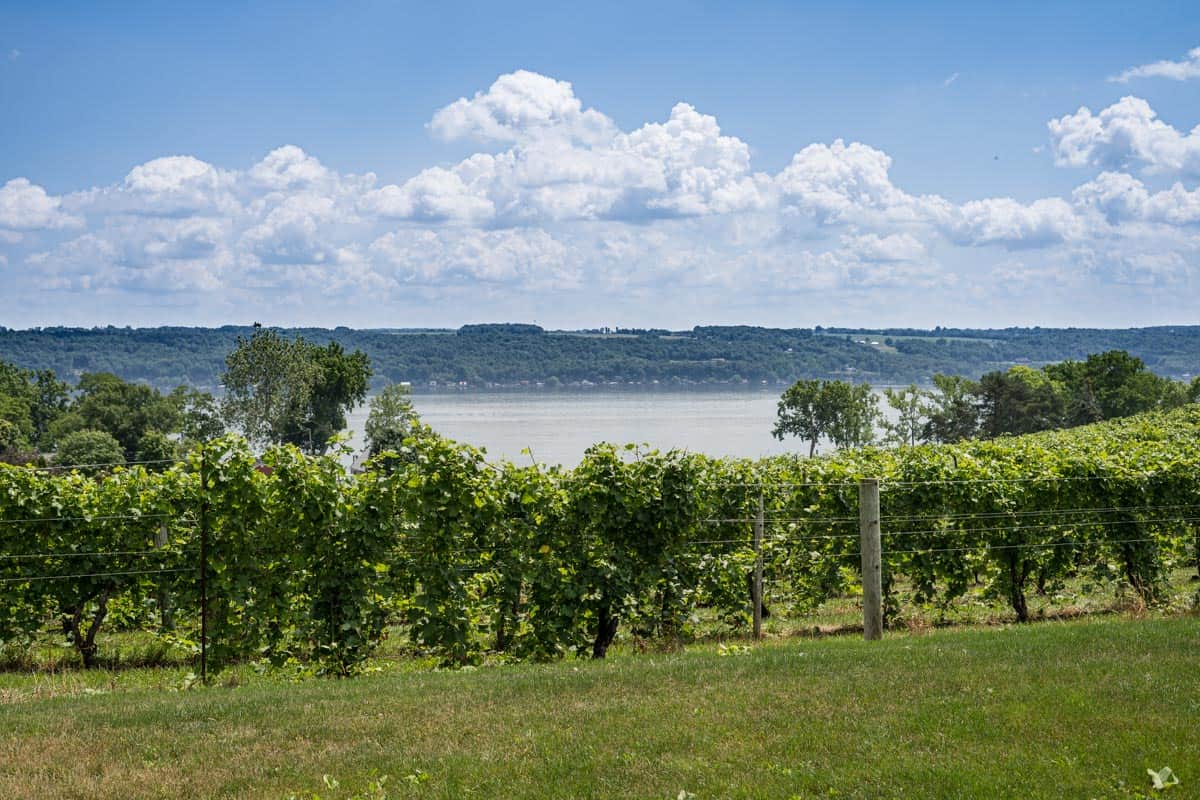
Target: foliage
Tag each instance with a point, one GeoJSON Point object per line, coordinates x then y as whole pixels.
{"type": "Point", "coordinates": [911, 415]}
{"type": "Point", "coordinates": [306, 563]}
{"type": "Point", "coordinates": [291, 391]}
{"type": "Point", "coordinates": [1020, 400]}
{"type": "Point", "coordinates": [719, 355]}
{"type": "Point", "coordinates": [842, 412]}
{"type": "Point", "coordinates": [127, 411]}
{"type": "Point", "coordinates": [29, 402]}
{"type": "Point", "coordinates": [200, 415]}
{"type": "Point", "coordinates": [629, 522]}
{"type": "Point", "coordinates": [1106, 385]}
{"type": "Point", "coordinates": [951, 410]}
{"type": "Point", "coordinates": [155, 449]}
{"type": "Point", "coordinates": [94, 449]}
{"type": "Point", "coordinates": [446, 495]}
{"type": "Point", "coordinates": [391, 419]}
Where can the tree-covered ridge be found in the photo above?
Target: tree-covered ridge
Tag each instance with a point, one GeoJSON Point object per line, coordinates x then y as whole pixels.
{"type": "Point", "coordinates": [516, 354]}
{"type": "Point", "coordinates": [1167, 349]}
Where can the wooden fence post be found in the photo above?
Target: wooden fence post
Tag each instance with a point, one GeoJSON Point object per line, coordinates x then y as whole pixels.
{"type": "Point", "coordinates": [757, 588]}
{"type": "Point", "coordinates": [166, 618]}
{"type": "Point", "coordinates": [872, 558]}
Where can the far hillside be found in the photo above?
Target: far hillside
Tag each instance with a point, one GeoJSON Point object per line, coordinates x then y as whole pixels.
{"type": "Point", "coordinates": [527, 356]}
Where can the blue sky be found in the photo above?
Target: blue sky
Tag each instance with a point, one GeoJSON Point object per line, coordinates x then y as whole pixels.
{"type": "Point", "coordinates": [370, 164]}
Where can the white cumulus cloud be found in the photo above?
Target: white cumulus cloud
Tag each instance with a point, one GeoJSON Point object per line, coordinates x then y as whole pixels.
{"type": "Point", "coordinates": [1124, 198]}
{"type": "Point", "coordinates": [559, 202]}
{"type": "Point", "coordinates": [25, 206]}
{"type": "Point", "coordinates": [1006, 222]}
{"type": "Point", "coordinates": [1127, 133]}
{"type": "Point", "coordinates": [522, 105]}
{"type": "Point", "coordinates": [565, 163]}
{"type": "Point", "coordinates": [1183, 70]}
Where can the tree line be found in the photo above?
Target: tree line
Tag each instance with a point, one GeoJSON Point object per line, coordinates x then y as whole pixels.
{"type": "Point", "coordinates": [1009, 402]}
{"type": "Point", "coordinates": [289, 390]}
{"type": "Point", "coordinates": [518, 355]}
{"type": "Point", "coordinates": [278, 390]}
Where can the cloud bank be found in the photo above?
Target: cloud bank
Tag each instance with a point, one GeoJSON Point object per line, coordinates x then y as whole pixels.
{"type": "Point", "coordinates": [561, 215]}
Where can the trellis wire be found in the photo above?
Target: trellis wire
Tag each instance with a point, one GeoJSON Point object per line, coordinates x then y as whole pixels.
{"type": "Point", "coordinates": [37, 578]}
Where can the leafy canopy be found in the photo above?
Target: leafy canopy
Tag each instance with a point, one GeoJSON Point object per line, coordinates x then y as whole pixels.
{"type": "Point", "coordinates": [842, 412]}
{"type": "Point", "coordinates": [391, 420]}
{"type": "Point", "coordinates": [291, 391]}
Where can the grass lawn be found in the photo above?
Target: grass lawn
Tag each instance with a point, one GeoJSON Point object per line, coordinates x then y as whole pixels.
{"type": "Point", "coordinates": [1057, 710]}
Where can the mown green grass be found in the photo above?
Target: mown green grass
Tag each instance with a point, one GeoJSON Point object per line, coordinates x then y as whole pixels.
{"type": "Point", "coordinates": [1052, 710]}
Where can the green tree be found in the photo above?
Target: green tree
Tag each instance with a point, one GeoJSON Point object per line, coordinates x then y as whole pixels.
{"type": "Point", "coordinates": [66, 423]}
{"type": "Point", "coordinates": [31, 401]}
{"type": "Point", "coordinates": [11, 439]}
{"type": "Point", "coordinates": [50, 400]}
{"type": "Point", "coordinates": [1020, 400]}
{"type": "Point", "coordinates": [842, 412]}
{"type": "Point", "coordinates": [342, 383]}
{"type": "Point", "coordinates": [127, 411]}
{"type": "Point", "coordinates": [291, 391]}
{"type": "Point", "coordinates": [911, 420]}
{"type": "Point", "coordinates": [952, 411]}
{"type": "Point", "coordinates": [87, 448]}
{"type": "Point", "coordinates": [14, 412]}
{"type": "Point", "coordinates": [156, 450]}
{"type": "Point", "coordinates": [1114, 384]}
{"type": "Point", "coordinates": [200, 415]}
{"type": "Point", "coordinates": [391, 419]}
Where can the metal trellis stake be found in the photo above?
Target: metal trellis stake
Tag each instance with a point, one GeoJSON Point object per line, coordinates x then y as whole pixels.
{"type": "Point", "coordinates": [203, 566]}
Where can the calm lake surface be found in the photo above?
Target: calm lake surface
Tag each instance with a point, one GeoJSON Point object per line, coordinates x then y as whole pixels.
{"type": "Point", "coordinates": [557, 427]}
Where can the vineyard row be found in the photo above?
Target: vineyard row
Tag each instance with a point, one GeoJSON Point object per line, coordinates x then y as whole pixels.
{"type": "Point", "coordinates": [298, 560]}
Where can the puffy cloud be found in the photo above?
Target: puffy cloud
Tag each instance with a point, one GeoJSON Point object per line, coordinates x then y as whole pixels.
{"type": "Point", "coordinates": [1183, 70]}
{"type": "Point", "coordinates": [1123, 198]}
{"type": "Point", "coordinates": [1006, 222]}
{"type": "Point", "coordinates": [546, 212]}
{"type": "Point", "coordinates": [435, 194]}
{"type": "Point", "coordinates": [529, 256]}
{"type": "Point", "coordinates": [682, 167]}
{"type": "Point", "coordinates": [519, 106]}
{"type": "Point", "coordinates": [189, 240]}
{"type": "Point", "coordinates": [849, 183]}
{"type": "Point", "coordinates": [25, 206]}
{"type": "Point", "coordinates": [291, 232]}
{"type": "Point", "coordinates": [1126, 133]}
{"type": "Point", "coordinates": [175, 185]}
{"type": "Point", "coordinates": [876, 248]}
{"type": "Point", "coordinates": [171, 186]}
{"type": "Point", "coordinates": [289, 167]}
{"type": "Point", "coordinates": [702, 171]}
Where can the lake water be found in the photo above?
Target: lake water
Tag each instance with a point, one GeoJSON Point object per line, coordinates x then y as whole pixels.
{"type": "Point", "coordinates": [557, 427]}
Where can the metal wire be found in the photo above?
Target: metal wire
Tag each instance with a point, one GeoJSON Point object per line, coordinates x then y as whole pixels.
{"type": "Point", "coordinates": [768, 519]}
{"type": "Point", "coordinates": [1071, 511]}
{"type": "Point", "coordinates": [66, 467]}
{"type": "Point", "coordinates": [786, 485]}
{"type": "Point", "coordinates": [36, 578]}
{"type": "Point", "coordinates": [1040, 478]}
{"type": "Point", "coordinates": [1012, 546]}
{"type": "Point", "coordinates": [1085, 524]}
{"type": "Point", "coordinates": [100, 518]}
{"type": "Point", "coordinates": [25, 556]}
